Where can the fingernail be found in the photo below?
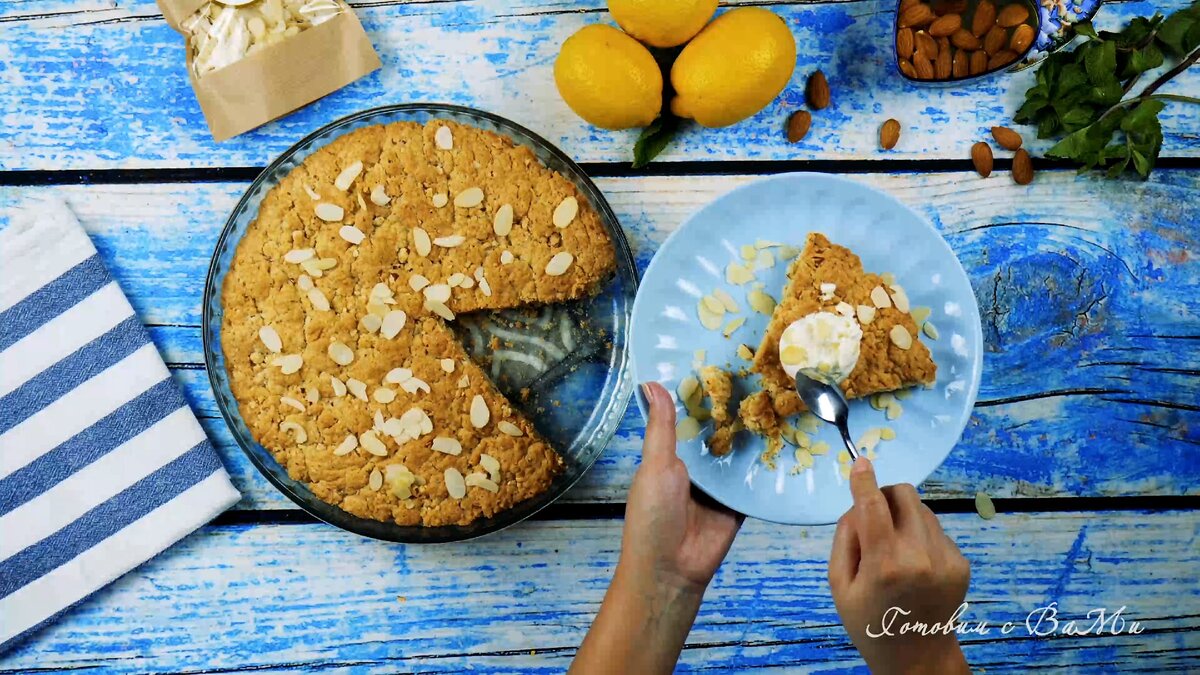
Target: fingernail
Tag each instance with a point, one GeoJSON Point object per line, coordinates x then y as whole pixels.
{"type": "Point", "coordinates": [646, 393]}
{"type": "Point", "coordinates": [861, 465]}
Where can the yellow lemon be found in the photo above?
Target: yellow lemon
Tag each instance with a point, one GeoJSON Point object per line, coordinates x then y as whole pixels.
{"type": "Point", "coordinates": [608, 78]}
{"type": "Point", "coordinates": [662, 23]}
{"type": "Point", "coordinates": [733, 68]}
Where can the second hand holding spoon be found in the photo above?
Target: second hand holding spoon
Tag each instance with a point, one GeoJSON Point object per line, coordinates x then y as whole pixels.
{"type": "Point", "coordinates": [827, 402]}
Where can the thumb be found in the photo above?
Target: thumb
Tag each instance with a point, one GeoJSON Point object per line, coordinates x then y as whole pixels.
{"type": "Point", "coordinates": [660, 430]}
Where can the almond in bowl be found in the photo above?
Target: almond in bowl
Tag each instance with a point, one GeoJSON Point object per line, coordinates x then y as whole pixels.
{"type": "Point", "coordinates": [954, 41]}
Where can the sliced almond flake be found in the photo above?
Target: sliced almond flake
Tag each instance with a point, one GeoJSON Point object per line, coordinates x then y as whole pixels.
{"type": "Point", "coordinates": [447, 445]}
{"type": "Point", "coordinates": [414, 384]}
{"type": "Point", "coordinates": [440, 309]}
{"type": "Point", "coordinates": [398, 375]}
{"type": "Point", "coordinates": [738, 274]}
{"type": "Point", "coordinates": [793, 355]}
{"type": "Point", "coordinates": [289, 401]}
{"type": "Point", "coordinates": [845, 309]}
{"type": "Point", "coordinates": [819, 448]}
{"type": "Point", "coordinates": [312, 268]}
{"type": "Point", "coordinates": [809, 423]}
{"type": "Point", "coordinates": [362, 205]}
{"type": "Point", "coordinates": [726, 300]}
{"type": "Point", "coordinates": [455, 280]}
{"type": "Point", "coordinates": [900, 299]}
{"type": "Point", "coordinates": [866, 314]}
{"type": "Point", "coordinates": [843, 457]}
{"type": "Point", "coordinates": [565, 212]}
{"type": "Point", "coordinates": [312, 395]}
{"type": "Point", "coordinates": [687, 429]}
{"type": "Point", "coordinates": [379, 197]}
{"type": "Point", "coordinates": [506, 258]}
{"type": "Point", "coordinates": [304, 283]}
{"type": "Point", "coordinates": [920, 314]}
{"type": "Point", "coordinates": [804, 458]}
{"type": "Point", "coordinates": [339, 387]}
{"type": "Point", "coordinates": [464, 381]}
{"type": "Point", "coordinates": [437, 292]}
{"type": "Point", "coordinates": [312, 194]}
{"type": "Point", "coordinates": [880, 298]}
{"type": "Point", "coordinates": [689, 389]}
{"type": "Point", "coordinates": [456, 485]}
{"type": "Point", "coordinates": [469, 198]}
{"type": "Point", "coordinates": [481, 481]}
{"type": "Point", "coordinates": [378, 309]}
{"type": "Point", "coordinates": [325, 264]}
{"type": "Point", "coordinates": [376, 480]}
{"type": "Point", "coordinates": [449, 241]}
{"type": "Point", "coordinates": [448, 365]}
{"type": "Point", "coordinates": [868, 440]}
{"type": "Point", "coordinates": [341, 353]}
{"type": "Point", "coordinates": [903, 394]}
{"type": "Point", "coordinates": [485, 288]}
{"type": "Point", "coordinates": [732, 326]}
{"type": "Point", "coordinates": [508, 428]}
{"type": "Point", "coordinates": [270, 339]}
{"type": "Point", "coordinates": [440, 200]}
{"type": "Point", "coordinates": [503, 221]}
{"type": "Point", "coordinates": [289, 363]}
{"type": "Point", "coordinates": [371, 323]}
{"type": "Point", "coordinates": [417, 282]}
{"type": "Point", "coordinates": [888, 278]}
{"type": "Point", "coordinates": [930, 330]}
{"type": "Point", "coordinates": [346, 178]}
{"type": "Point", "coordinates": [443, 138]}
{"type": "Point", "coordinates": [713, 304]}
{"type": "Point", "coordinates": [299, 255]}
{"type": "Point", "coordinates": [358, 388]}
{"type": "Point", "coordinates": [383, 395]}
{"type": "Point", "coordinates": [887, 434]}
{"type": "Point", "coordinates": [330, 213]}
{"type": "Point", "coordinates": [761, 302]}
{"type": "Point", "coordinates": [745, 352]}
{"type": "Point", "coordinates": [559, 263]}
{"type": "Point", "coordinates": [827, 291]}
{"type": "Point", "coordinates": [708, 318]}
{"type": "Point", "coordinates": [467, 282]}
{"type": "Point", "coordinates": [765, 260]}
{"type": "Point", "coordinates": [348, 445]}
{"type": "Point", "coordinates": [377, 418]}
{"type": "Point", "coordinates": [763, 243]}
{"type": "Point", "coordinates": [984, 506]}
{"type": "Point", "coordinates": [894, 410]}
{"type": "Point", "coordinates": [298, 431]}
{"type": "Point", "coordinates": [351, 234]}
{"type": "Point", "coordinates": [491, 465]}
{"type": "Point", "coordinates": [748, 252]}
{"type": "Point", "coordinates": [371, 443]}
{"type": "Point", "coordinates": [479, 412]}
{"type": "Point", "coordinates": [318, 300]}
{"type": "Point", "coordinates": [871, 455]}
{"type": "Point", "coordinates": [421, 242]}
{"type": "Point", "coordinates": [393, 323]}
{"type": "Point", "coordinates": [901, 337]}
{"type": "Point", "coordinates": [884, 400]}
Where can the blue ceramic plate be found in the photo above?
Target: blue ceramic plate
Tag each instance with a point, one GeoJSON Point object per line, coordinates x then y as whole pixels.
{"type": "Point", "coordinates": [889, 238]}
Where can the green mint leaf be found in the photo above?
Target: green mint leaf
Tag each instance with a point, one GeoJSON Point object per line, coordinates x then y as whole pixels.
{"type": "Point", "coordinates": [1078, 118]}
{"type": "Point", "coordinates": [1048, 125]}
{"type": "Point", "coordinates": [1086, 28]}
{"type": "Point", "coordinates": [1101, 61]}
{"type": "Point", "coordinates": [1142, 164]}
{"type": "Point", "coordinates": [1180, 32]}
{"type": "Point", "coordinates": [1143, 117]}
{"type": "Point", "coordinates": [654, 139]}
{"type": "Point", "coordinates": [1147, 58]}
{"type": "Point", "coordinates": [1107, 94]}
{"type": "Point", "coordinates": [1136, 34]}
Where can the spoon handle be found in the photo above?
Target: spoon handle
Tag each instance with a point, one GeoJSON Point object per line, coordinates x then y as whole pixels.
{"type": "Point", "coordinates": [849, 443]}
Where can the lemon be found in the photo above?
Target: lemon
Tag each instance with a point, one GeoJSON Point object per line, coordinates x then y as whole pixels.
{"type": "Point", "coordinates": [662, 23]}
{"type": "Point", "coordinates": [608, 78]}
{"type": "Point", "coordinates": [733, 68]}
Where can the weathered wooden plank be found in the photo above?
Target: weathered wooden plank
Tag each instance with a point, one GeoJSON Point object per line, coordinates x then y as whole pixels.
{"type": "Point", "coordinates": [1061, 368]}
{"type": "Point", "coordinates": [312, 598]}
{"type": "Point", "coordinates": [86, 85]}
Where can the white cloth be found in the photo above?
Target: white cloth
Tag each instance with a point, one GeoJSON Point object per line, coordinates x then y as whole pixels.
{"type": "Point", "coordinates": [102, 463]}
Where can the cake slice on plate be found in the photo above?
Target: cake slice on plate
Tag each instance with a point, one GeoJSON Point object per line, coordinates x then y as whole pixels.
{"type": "Point", "coordinates": [826, 277]}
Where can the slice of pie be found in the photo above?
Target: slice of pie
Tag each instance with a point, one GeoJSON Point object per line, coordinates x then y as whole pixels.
{"type": "Point", "coordinates": [827, 277]}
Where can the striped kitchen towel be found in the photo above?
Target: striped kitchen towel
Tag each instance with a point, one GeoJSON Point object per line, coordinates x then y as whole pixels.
{"type": "Point", "coordinates": [102, 464]}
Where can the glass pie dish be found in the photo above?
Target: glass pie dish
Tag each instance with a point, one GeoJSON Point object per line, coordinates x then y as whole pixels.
{"type": "Point", "coordinates": [575, 354]}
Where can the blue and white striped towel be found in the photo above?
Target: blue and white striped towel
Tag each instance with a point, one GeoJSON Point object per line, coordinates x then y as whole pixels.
{"type": "Point", "coordinates": [102, 464]}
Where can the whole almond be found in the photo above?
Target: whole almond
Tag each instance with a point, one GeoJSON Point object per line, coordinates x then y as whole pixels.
{"type": "Point", "coordinates": [797, 126]}
{"type": "Point", "coordinates": [1022, 168]}
{"type": "Point", "coordinates": [943, 66]}
{"type": "Point", "coordinates": [905, 4]}
{"type": "Point", "coordinates": [1022, 37]}
{"type": "Point", "coordinates": [963, 39]}
{"type": "Point", "coordinates": [817, 91]}
{"type": "Point", "coordinates": [907, 68]}
{"type": "Point", "coordinates": [981, 157]}
{"type": "Point", "coordinates": [1001, 58]}
{"type": "Point", "coordinates": [923, 66]}
{"type": "Point", "coordinates": [944, 7]}
{"type": "Point", "coordinates": [904, 43]}
{"type": "Point", "coordinates": [1012, 15]}
{"type": "Point", "coordinates": [995, 39]}
{"type": "Point", "coordinates": [915, 16]}
{"type": "Point", "coordinates": [1007, 138]}
{"type": "Point", "coordinates": [959, 67]}
{"type": "Point", "coordinates": [984, 18]}
{"type": "Point", "coordinates": [926, 46]}
{"type": "Point", "coordinates": [889, 134]}
{"type": "Point", "coordinates": [945, 25]}
{"type": "Point", "coordinates": [978, 63]}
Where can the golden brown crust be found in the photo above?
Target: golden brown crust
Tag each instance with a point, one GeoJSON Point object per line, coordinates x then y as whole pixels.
{"type": "Point", "coordinates": [718, 387]}
{"type": "Point", "coordinates": [261, 289]}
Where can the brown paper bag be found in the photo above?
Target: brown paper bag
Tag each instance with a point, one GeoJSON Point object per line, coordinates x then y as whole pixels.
{"type": "Point", "coordinates": [279, 78]}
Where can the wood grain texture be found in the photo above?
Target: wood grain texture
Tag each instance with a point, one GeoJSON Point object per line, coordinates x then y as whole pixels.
{"type": "Point", "coordinates": [1089, 291]}
{"type": "Point", "coordinates": [90, 85]}
{"type": "Point", "coordinates": [310, 598]}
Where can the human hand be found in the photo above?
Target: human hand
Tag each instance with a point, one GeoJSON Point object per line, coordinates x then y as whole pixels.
{"type": "Point", "coordinates": [890, 551]}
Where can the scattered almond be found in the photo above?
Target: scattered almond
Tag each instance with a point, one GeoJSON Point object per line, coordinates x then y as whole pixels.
{"type": "Point", "coordinates": [559, 264]}
{"type": "Point", "coordinates": [449, 241]}
{"type": "Point", "coordinates": [298, 255]}
{"type": "Point", "coordinates": [506, 257]}
{"type": "Point", "coordinates": [447, 445]}
{"type": "Point", "coordinates": [318, 300]}
{"type": "Point", "coordinates": [340, 353]}
{"type": "Point", "coordinates": [347, 446]}
{"type": "Point", "coordinates": [889, 134]}
{"type": "Point", "coordinates": [1007, 138]}
{"type": "Point", "coordinates": [346, 178]}
{"type": "Point", "coordinates": [565, 212]}
{"type": "Point", "coordinates": [981, 157]}
{"type": "Point", "coordinates": [298, 431]}
{"type": "Point", "coordinates": [376, 480]}
{"type": "Point", "coordinates": [270, 339]}
{"type": "Point", "coordinates": [357, 388]}
{"type": "Point", "coordinates": [422, 242]}
{"type": "Point", "coordinates": [383, 395]}
{"type": "Point", "coordinates": [797, 126]}
{"type": "Point", "coordinates": [439, 200]}
{"type": "Point", "coordinates": [479, 412]}
{"type": "Point", "coordinates": [509, 429]}
{"type": "Point", "coordinates": [443, 138]}
{"type": "Point", "coordinates": [379, 197]}
{"type": "Point", "coordinates": [331, 213]}
{"type": "Point", "coordinates": [816, 92]}
{"type": "Point", "coordinates": [900, 336]}
{"type": "Point", "coordinates": [455, 484]}
{"type": "Point", "coordinates": [289, 363]}
{"type": "Point", "coordinates": [351, 234]}
{"type": "Point", "coordinates": [503, 222]}
{"type": "Point", "coordinates": [469, 198]}
{"type": "Point", "coordinates": [880, 297]}
{"type": "Point", "coordinates": [371, 443]}
{"type": "Point", "coordinates": [1022, 168]}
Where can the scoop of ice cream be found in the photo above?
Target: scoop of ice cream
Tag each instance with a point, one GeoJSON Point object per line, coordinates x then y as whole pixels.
{"type": "Point", "coordinates": [822, 345]}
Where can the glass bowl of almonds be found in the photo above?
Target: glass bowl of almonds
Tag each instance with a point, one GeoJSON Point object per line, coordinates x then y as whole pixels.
{"type": "Point", "coordinates": [563, 367]}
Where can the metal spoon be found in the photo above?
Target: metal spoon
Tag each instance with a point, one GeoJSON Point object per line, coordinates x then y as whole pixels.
{"type": "Point", "coordinates": [827, 401]}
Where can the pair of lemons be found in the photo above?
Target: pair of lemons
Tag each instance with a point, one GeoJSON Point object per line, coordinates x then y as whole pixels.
{"type": "Point", "coordinates": [730, 69]}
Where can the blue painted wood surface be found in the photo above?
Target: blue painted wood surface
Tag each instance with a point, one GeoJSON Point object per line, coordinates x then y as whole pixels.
{"type": "Point", "coordinates": [309, 598]}
{"type": "Point", "coordinates": [108, 88]}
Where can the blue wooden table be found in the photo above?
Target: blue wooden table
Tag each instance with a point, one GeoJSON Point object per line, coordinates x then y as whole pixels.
{"type": "Point", "coordinates": [1087, 430]}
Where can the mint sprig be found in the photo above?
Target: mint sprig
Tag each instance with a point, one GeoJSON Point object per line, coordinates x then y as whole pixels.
{"type": "Point", "coordinates": [1082, 92]}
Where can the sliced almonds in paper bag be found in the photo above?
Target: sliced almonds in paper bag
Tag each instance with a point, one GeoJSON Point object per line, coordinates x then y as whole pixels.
{"type": "Point", "coordinates": [251, 61]}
